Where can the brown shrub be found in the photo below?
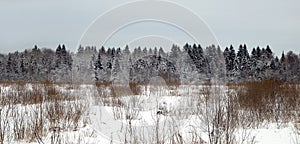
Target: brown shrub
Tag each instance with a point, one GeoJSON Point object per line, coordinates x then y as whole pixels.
{"type": "Point", "coordinates": [269, 99]}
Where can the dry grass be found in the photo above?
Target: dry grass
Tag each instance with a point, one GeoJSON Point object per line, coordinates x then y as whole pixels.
{"type": "Point", "coordinates": [269, 100]}
{"type": "Point", "coordinates": [51, 110]}
{"type": "Point", "coordinates": [29, 111]}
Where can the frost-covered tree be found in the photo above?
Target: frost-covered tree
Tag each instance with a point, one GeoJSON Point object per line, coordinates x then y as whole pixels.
{"type": "Point", "coordinates": [292, 67]}
{"type": "Point", "coordinates": [150, 52]}
{"type": "Point", "coordinates": [243, 58]}
{"type": "Point", "coordinates": [137, 53]}
{"type": "Point", "coordinates": [116, 71]}
{"type": "Point", "coordinates": [232, 70]}
{"type": "Point", "coordinates": [11, 67]}
{"type": "Point", "coordinates": [83, 66]}
{"type": "Point", "coordinates": [175, 53]}
{"type": "Point", "coordinates": [192, 64]}
{"type": "Point", "coordinates": [188, 70]}
{"type": "Point", "coordinates": [216, 64]}
{"type": "Point", "coordinates": [199, 58]}
{"type": "Point", "coordinates": [126, 51]}
{"type": "Point", "coordinates": [98, 67]}
{"type": "Point", "coordinates": [145, 52]}
{"type": "Point", "coordinates": [155, 51]}
{"type": "Point", "coordinates": [63, 65]}
{"type": "Point", "coordinates": [2, 67]}
{"type": "Point", "coordinates": [162, 53]}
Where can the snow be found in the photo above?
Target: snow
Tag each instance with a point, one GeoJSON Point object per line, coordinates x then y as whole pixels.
{"type": "Point", "coordinates": [103, 125]}
{"type": "Point", "coordinates": [273, 134]}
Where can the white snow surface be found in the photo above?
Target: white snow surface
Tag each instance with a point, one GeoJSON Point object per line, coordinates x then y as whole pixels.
{"type": "Point", "coordinates": [147, 104]}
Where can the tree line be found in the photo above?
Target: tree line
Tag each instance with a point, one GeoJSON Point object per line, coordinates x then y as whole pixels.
{"type": "Point", "coordinates": [190, 64]}
{"type": "Point", "coordinates": [36, 65]}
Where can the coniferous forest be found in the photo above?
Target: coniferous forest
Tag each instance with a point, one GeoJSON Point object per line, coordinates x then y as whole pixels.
{"type": "Point", "coordinates": [222, 95]}
{"type": "Point", "coordinates": [189, 64]}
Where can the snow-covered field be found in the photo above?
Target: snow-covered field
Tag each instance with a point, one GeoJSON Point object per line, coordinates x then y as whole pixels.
{"type": "Point", "coordinates": [47, 113]}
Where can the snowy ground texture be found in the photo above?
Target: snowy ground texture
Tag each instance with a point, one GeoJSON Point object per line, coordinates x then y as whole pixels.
{"type": "Point", "coordinates": [48, 113]}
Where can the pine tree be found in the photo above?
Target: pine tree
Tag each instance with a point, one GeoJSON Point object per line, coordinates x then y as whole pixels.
{"type": "Point", "coordinates": [9, 67]}
{"type": "Point", "coordinates": [155, 51]}
{"type": "Point", "coordinates": [63, 65]}
{"type": "Point", "coordinates": [292, 67]}
{"type": "Point", "coordinates": [161, 52]}
{"type": "Point", "coordinates": [2, 67]}
{"type": "Point", "coordinates": [150, 51]}
{"type": "Point", "coordinates": [80, 50]}
{"type": "Point", "coordinates": [98, 67]}
{"type": "Point", "coordinates": [116, 69]}
{"type": "Point", "coordinates": [243, 62]}
{"type": "Point", "coordinates": [197, 55]}
{"type": "Point", "coordinates": [269, 53]}
{"type": "Point", "coordinates": [145, 52]}
{"type": "Point", "coordinates": [126, 50]}
{"type": "Point", "coordinates": [232, 57]}
{"type": "Point", "coordinates": [216, 64]}
{"type": "Point", "coordinates": [226, 55]}
{"type": "Point", "coordinates": [175, 53]}
{"type": "Point", "coordinates": [102, 51]}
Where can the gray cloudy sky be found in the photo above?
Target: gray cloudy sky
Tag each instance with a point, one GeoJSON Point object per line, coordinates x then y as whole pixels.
{"type": "Point", "coordinates": [24, 23]}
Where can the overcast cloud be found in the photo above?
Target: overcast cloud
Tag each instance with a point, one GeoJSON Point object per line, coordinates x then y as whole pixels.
{"type": "Point", "coordinates": [49, 23]}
